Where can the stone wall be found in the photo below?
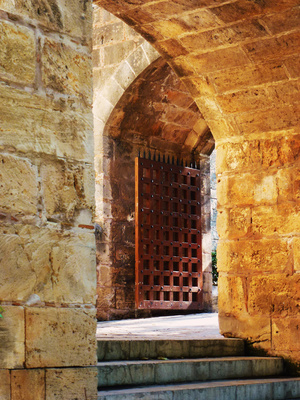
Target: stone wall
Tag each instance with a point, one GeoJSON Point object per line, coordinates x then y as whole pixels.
{"type": "Point", "coordinates": [47, 250]}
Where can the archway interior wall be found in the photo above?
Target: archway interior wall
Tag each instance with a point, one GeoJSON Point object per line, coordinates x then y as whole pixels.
{"type": "Point", "coordinates": [240, 60]}
{"type": "Point", "coordinates": [120, 142]}
{"type": "Point", "coordinates": [47, 246]}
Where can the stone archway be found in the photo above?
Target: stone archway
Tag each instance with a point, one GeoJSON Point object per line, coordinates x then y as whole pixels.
{"type": "Point", "coordinates": [240, 61]}
{"type": "Point", "coordinates": [156, 114]}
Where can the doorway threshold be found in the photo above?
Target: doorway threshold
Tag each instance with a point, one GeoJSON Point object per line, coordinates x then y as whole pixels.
{"type": "Point", "coordinates": [188, 327]}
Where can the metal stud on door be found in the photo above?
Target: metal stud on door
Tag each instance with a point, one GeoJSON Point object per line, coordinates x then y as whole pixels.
{"type": "Point", "coordinates": [168, 236]}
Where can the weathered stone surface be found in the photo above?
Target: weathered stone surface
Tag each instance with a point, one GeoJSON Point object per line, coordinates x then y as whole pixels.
{"type": "Point", "coordinates": [296, 253]}
{"type": "Point", "coordinates": [293, 66]}
{"type": "Point", "coordinates": [253, 99]}
{"type": "Point", "coordinates": [40, 125]}
{"type": "Point", "coordinates": [217, 60]}
{"type": "Point", "coordinates": [259, 256]}
{"type": "Point", "coordinates": [254, 329]}
{"type": "Point", "coordinates": [67, 190]}
{"type": "Point", "coordinates": [286, 334]}
{"type": "Point", "coordinates": [274, 119]}
{"type": "Point", "coordinates": [276, 294]}
{"type": "Point", "coordinates": [273, 48]}
{"type": "Point", "coordinates": [69, 16]}
{"type": "Point", "coordinates": [12, 338]}
{"type": "Point", "coordinates": [108, 34]}
{"type": "Point", "coordinates": [28, 385]}
{"type": "Point", "coordinates": [5, 385]}
{"type": "Point", "coordinates": [67, 70]}
{"type": "Point", "coordinates": [253, 155]}
{"type": "Point", "coordinates": [234, 223]}
{"type": "Point", "coordinates": [59, 267]}
{"type": "Point", "coordinates": [279, 219]}
{"type": "Point", "coordinates": [60, 337]}
{"type": "Point", "coordinates": [17, 58]}
{"type": "Point", "coordinates": [216, 38]}
{"type": "Point", "coordinates": [247, 189]}
{"type": "Point", "coordinates": [71, 383]}
{"type": "Point", "coordinates": [232, 295]}
{"type": "Point", "coordinates": [18, 187]}
{"type": "Point", "coordinates": [114, 54]}
{"type": "Point", "coordinates": [237, 78]}
{"type": "Point", "coordinates": [198, 20]}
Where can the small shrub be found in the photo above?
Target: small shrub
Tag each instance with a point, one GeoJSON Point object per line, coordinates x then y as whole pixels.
{"type": "Point", "coordinates": [1, 311]}
{"type": "Point", "coordinates": [215, 273]}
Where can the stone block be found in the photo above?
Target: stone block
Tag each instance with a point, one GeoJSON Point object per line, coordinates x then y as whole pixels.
{"type": "Point", "coordinates": [67, 70]}
{"type": "Point", "coordinates": [59, 267]}
{"type": "Point", "coordinates": [232, 295]}
{"type": "Point", "coordinates": [253, 155]}
{"type": "Point", "coordinates": [221, 128]}
{"type": "Point", "coordinates": [285, 334]}
{"type": "Point", "coordinates": [116, 53]}
{"type": "Point", "coordinates": [241, 78]}
{"type": "Point", "coordinates": [42, 125]}
{"type": "Point", "coordinates": [5, 384]}
{"type": "Point", "coordinates": [171, 28]}
{"type": "Point", "coordinates": [242, 101]}
{"type": "Point", "coordinates": [69, 16]}
{"type": "Point", "coordinates": [60, 337]}
{"type": "Point", "coordinates": [71, 384]}
{"type": "Point", "coordinates": [17, 58]}
{"type": "Point", "coordinates": [124, 75]}
{"type": "Point", "coordinates": [278, 219]}
{"type": "Point", "coordinates": [19, 188]}
{"type": "Point", "coordinates": [275, 119]}
{"type": "Point", "coordinates": [293, 66]}
{"type": "Point", "coordinates": [200, 19]}
{"type": "Point", "coordinates": [112, 92]}
{"type": "Point", "coordinates": [234, 223]}
{"type": "Point", "coordinates": [28, 384]}
{"type": "Point", "coordinates": [150, 51]}
{"type": "Point", "coordinates": [254, 255]}
{"type": "Point", "coordinates": [254, 329]}
{"type": "Point", "coordinates": [296, 254]}
{"type": "Point", "coordinates": [138, 60]}
{"type": "Point", "coordinates": [218, 59]}
{"type": "Point", "coordinates": [276, 294]}
{"type": "Point", "coordinates": [232, 12]}
{"type": "Point", "coordinates": [12, 337]}
{"type": "Point", "coordinates": [67, 189]}
{"type": "Point", "coordinates": [273, 48]}
{"type": "Point", "coordinates": [108, 34]}
{"type": "Point", "coordinates": [213, 39]}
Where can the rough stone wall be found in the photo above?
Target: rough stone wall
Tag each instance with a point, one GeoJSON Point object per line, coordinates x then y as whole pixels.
{"type": "Point", "coordinates": [240, 59]}
{"type": "Point", "coordinates": [47, 250]}
{"type": "Point", "coordinates": [213, 201]}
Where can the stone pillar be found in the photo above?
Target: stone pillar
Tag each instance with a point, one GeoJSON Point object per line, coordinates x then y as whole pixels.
{"type": "Point", "coordinates": [47, 262]}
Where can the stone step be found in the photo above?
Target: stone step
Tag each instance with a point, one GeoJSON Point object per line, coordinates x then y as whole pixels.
{"type": "Point", "coordinates": [157, 372]}
{"type": "Point", "coordinates": [109, 350]}
{"type": "Point", "coordinates": [254, 389]}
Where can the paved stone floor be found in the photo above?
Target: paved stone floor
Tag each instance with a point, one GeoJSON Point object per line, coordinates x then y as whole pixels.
{"type": "Point", "coordinates": [194, 326]}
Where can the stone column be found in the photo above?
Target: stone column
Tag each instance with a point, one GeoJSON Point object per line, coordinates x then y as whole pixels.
{"type": "Point", "coordinates": [47, 261]}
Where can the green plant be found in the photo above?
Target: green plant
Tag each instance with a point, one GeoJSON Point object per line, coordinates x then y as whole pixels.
{"type": "Point", "coordinates": [215, 273]}
{"type": "Point", "coordinates": [1, 311]}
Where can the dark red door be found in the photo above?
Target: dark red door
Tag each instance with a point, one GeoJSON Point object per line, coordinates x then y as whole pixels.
{"type": "Point", "coordinates": [168, 236]}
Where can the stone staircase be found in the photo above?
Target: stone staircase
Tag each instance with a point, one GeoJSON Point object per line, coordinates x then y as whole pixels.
{"type": "Point", "coordinates": [189, 370]}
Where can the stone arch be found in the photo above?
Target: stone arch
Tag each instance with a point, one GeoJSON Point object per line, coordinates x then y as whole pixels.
{"type": "Point", "coordinates": [156, 114]}
{"type": "Point", "coordinates": [239, 58]}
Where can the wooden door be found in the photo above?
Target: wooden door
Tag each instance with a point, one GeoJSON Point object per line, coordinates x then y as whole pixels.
{"type": "Point", "coordinates": [168, 236]}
